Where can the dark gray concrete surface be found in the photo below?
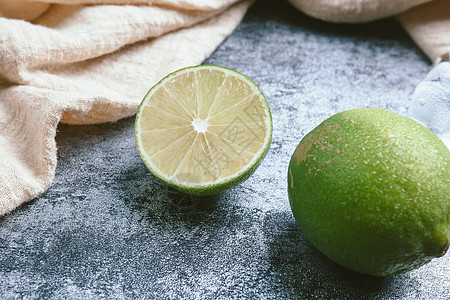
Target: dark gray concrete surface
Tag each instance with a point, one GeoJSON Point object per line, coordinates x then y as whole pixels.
{"type": "Point", "coordinates": [108, 229]}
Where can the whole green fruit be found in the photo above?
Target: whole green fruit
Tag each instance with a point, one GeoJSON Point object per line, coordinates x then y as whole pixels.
{"type": "Point", "coordinates": [371, 190]}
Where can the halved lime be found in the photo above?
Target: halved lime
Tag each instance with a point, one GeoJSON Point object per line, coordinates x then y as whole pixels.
{"type": "Point", "coordinates": [203, 129]}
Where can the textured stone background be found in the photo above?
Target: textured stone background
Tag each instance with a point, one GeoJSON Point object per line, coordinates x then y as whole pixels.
{"type": "Point", "coordinates": [108, 229]}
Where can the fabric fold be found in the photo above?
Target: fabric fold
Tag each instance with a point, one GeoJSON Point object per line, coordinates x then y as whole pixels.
{"type": "Point", "coordinates": [29, 10]}
{"type": "Point", "coordinates": [27, 145]}
{"type": "Point", "coordinates": [429, 27]}
{"type": "Point", "coordinates": [354, 11]}
{"type": "Point", "coordinates": [68, 34]}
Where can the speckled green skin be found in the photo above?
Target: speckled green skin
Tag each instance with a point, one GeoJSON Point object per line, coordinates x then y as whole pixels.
{"type": "Point", "coordinates": [370, 189]}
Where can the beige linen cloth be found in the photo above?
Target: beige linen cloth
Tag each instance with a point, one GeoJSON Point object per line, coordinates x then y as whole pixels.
{"type": "Point", "coordinates": [92, 61]}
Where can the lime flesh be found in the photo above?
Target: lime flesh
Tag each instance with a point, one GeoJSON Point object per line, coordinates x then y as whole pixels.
{"type": "Point", "coordinates": [203, 129]}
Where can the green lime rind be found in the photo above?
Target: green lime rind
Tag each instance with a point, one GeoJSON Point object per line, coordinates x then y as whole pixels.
{"type": "Point", "coordinates": [211, 189]}
{"type": "Point", "coordinates": [369, 189]}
